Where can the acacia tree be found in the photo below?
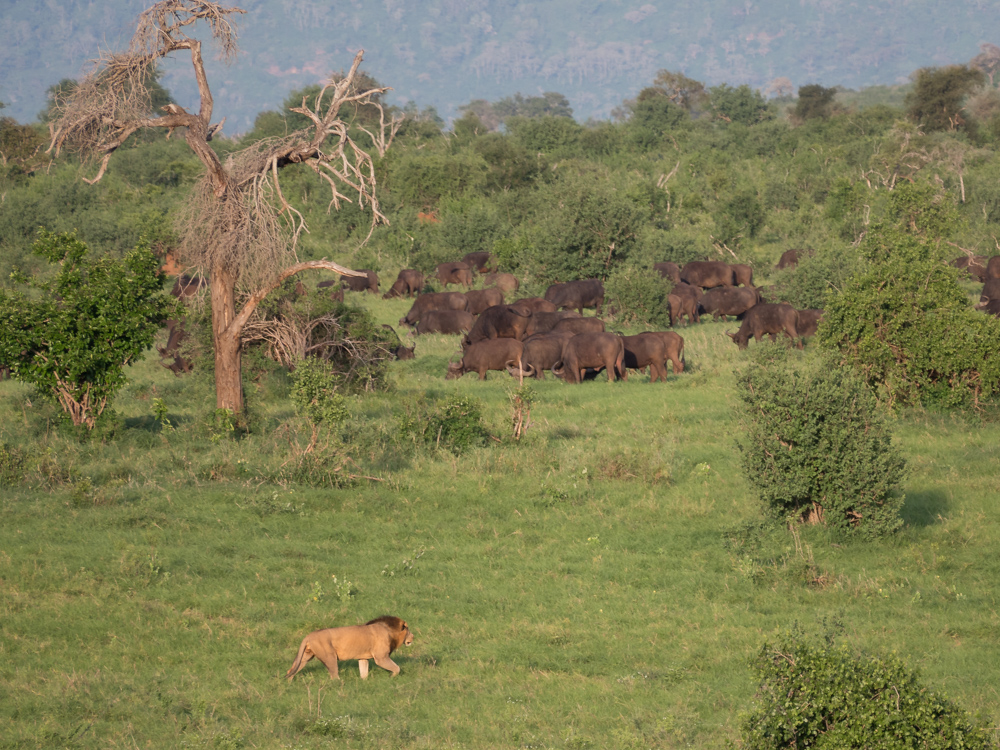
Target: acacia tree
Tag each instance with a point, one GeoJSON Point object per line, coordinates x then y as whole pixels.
{"type": "Point", "coordinates": [237, 224]}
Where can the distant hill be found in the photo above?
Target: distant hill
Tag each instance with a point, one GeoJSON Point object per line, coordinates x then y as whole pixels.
{"type": "Point", "coordinates": [445, 53]}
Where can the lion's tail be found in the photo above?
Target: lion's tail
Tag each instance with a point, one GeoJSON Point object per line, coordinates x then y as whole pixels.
{"type": "Point", "coordinates": [299, 661]}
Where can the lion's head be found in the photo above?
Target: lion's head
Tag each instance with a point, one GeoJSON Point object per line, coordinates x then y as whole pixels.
{"type": "Point", "coordinates": [398, 630]}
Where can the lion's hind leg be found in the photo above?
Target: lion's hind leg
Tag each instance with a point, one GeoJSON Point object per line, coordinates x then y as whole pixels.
{"type": "Point", "coordinates": [332, 663]}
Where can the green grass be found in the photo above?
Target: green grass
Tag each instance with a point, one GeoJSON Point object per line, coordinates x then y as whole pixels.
{"type": "Point", "coordinates": [600, 584]}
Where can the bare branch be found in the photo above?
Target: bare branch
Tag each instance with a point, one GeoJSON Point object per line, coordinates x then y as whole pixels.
{"type": "Point", "coordinates": [258, 296]}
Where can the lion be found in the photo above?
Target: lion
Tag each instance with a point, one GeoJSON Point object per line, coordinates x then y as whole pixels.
{"type": "Point", "coordinates": [375, 639]}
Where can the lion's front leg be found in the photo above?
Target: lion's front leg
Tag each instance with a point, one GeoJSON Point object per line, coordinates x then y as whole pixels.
{"type": "Point", "coordinates": [386, 663]}
{"type": "Point", "coordinates": [363, 668]}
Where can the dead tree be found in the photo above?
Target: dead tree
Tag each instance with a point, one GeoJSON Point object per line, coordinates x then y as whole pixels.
{"type": "Point", "coordinates": [237, 225]}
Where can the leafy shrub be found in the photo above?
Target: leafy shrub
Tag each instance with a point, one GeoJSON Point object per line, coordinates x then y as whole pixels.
{"type": "Point", "coordinates": [314, 393]}
{"type": "Point", "coordinates": [422, 180]}
{"type": "Point", "coordinates": [822, 696]}
{"type": "Point", "coordinates": [468, 225]}
{"type": "Point", "coordinates": [455, 424]}
{"type": "Point", "coordinates": [638, 296]}
{"type": "Point", "coordinates": [814, 446]}
{"type": "Point", "coordinates": [72, 336]}
{"type": "Point", "coordinates": [806, 285]}
{"type": "Point", "coordinates": [740, 216]}
{"type": "Point", "coordinates": [545, 134]}
{"type": "Point", "coordinates": [846, 207]}
{"type": "Point", "coordinates": [586, 226]}
{"type": "Point", "coordinates": [741, 105]}
{"type": "Point", "coordinates": [905, 323]}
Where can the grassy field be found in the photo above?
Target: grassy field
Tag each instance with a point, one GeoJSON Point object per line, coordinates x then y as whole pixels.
{"type": "Point", "coordinates": [600, 584]}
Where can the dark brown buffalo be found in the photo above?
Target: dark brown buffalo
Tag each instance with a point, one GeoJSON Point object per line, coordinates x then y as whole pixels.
{"type": "Point", "coordinates": [454, 273]}
{"type": "Point", "coordinates": [433, 301]}
{"type": "Point", "coordinates": [408, 283]}
{"type": "Point", "coordinates": [767, 320]}
{"type": "Point", "coordinates": [742, 274]}
{"type": "Point", "coordinates": [480, 299]}
{"type": "Point", "coordinates": [707, 274]}
{"type": "Point", "coordinates": [692, 301]}
{"type": "Point", "coordinates": [499, 322]}
{"type": "Point", "coordinates": [579, 325]}
{"type": "Point", "coordinates": [728, 300]}
{"type": "Point", "coordinates": [991, 290]}
{"type": "Point", "coordinates": [505, 282]}
{"type": "Point", "coordinates": [179, 366]}
{"type": "Point", "coordinates": [541, 352]}
{"type": "Point", "coordinates": [674, 343]}
{"type": "Point", "coordinates": [577, 295]}
{"type": "Point", "coordinates": [176, 336]}
{"type": "Point", "coordinates": [644, 351]}
{"type": "Point", "coordinates": [975, 265]}
{"type": "Point", "coordinates": [808, 322]}
{"type": "Point", "coordinates": [542, 322]}
{"type": "Point", "coordinates": [993, 267]}
{"type": "Point", "coordinates": [187, 286]}
{"type": "Point", "coordinates": [490, 354]}
{"type": "Point", "coordinates": [535, 304]}
{"type": "Point", "coordinates": [368, 282]}
{"type": "Point", "coordinates": [789, 259]}
{"type": "Point", "coordinates": [480, 262]}
{"type": "Point", "coordinates": [668, 270]}
{"type": "Point", "coordinates": [445, 321]}
{"type": "Point", "coordinates": [591, 351]}
{"type": "Point", "coordinates": [681, 307]}
{"type": "Point", "coordinates": [989, 306]}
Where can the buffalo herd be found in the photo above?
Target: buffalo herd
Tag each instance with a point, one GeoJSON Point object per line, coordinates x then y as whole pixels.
{"type": "Point", "coordinates": [530, 335]}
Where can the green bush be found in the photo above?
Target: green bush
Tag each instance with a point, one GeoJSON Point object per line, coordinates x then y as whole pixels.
{"type": "Point", "coordinates": [813, 444]}
{"type": "Point", "coordinates": [314, 393]}
{"type": "Point", "coordinates": [455, 424]}
{"type": "Point", "coordinates": [824, 696]}
{"type": "Point", "coordinates": [72, 335]}
{"type": "Point", "coordinates": [806, 285]}
{"type": "Point", "coordinates": [906, 324]}
{"type": "Point", "coordinates": [638, 296]}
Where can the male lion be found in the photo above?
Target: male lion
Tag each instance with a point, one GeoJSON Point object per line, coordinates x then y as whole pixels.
{"type": "Point", "coordinates": [373, 640]}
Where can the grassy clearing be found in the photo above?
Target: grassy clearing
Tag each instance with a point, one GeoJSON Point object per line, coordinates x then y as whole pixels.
{"type": "Point", "coordinates": [600, 584]}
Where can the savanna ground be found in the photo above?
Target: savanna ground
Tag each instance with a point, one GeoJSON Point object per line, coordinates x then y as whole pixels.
{"type": "Point", "coordinates": [602, 583]}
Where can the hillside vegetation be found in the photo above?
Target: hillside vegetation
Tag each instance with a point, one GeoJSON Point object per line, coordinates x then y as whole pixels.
{"type": "Point", "coordinates": [444, 54]}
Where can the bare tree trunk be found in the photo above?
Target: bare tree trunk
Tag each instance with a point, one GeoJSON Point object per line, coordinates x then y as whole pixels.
{"type": "Point", "coordinates": [227, 341]}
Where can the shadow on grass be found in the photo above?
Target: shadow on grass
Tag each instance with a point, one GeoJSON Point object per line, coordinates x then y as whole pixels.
{"type": "Point", "coordinates": [921, 509]}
